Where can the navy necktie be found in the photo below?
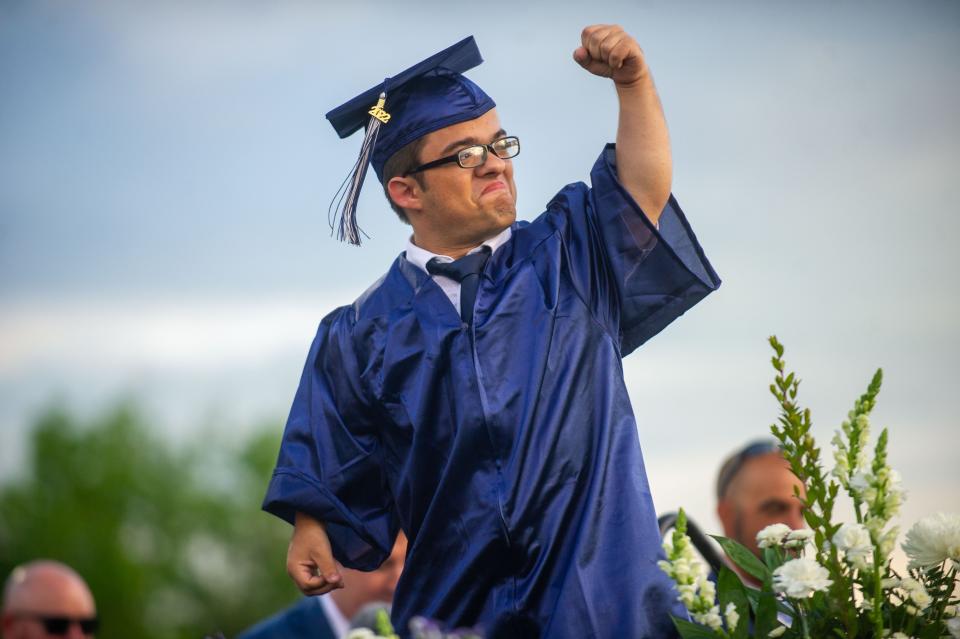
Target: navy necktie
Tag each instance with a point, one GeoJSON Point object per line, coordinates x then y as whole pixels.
{"type": "Point", "coordinates": [467, 271]}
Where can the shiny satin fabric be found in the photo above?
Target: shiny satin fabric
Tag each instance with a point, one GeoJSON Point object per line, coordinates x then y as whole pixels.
{"type": "Point", "coordinates": [506, 450]}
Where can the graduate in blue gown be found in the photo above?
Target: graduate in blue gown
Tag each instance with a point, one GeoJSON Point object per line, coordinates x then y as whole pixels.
{"type": "Point", "coordinates": [474, 396]}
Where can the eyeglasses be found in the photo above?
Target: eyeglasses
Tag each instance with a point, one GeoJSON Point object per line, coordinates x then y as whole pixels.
{"type": "Point", "coordinates": [56, 625]}
{"type": "Point", "coordinates": [733, 465]}
{"type": "Point", "coordinates": [476, 155]}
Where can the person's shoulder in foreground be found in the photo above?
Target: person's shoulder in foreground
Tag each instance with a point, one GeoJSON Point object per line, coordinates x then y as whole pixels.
{"type": "Point", "coordinates": [305, 618]}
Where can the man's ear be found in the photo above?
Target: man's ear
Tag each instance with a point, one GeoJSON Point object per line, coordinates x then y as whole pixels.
{"type": "Point", "coordinates": [405, 193]}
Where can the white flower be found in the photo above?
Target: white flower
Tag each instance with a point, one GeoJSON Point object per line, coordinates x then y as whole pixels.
{"type": "Point", "coordinates": [772, 535]}
{"type": "Point", "coordinates": [731, 616]}
{"type": "Point", "coordinates": [688, 593]}
{"type": "Point", "coordinates": [778, 631]}
{"type": "Point", "coordinates": [932, 540]}
{"type": "Point", "coordinates": [708, 591]}
{"type": "Point", "coordinates": [916, 593]}
{"type": "Point", "coordinates": [800, 578]}
{"type": "Point", "coordinates": [801, 534]}
{"type": "Point", "coordinates": [922, 598]}
{"type": "Point", "coordinates": [853, 540]}
{"type": "Point", "coordinates": [890, 582]}
{"type": "Point", "coordinates": [361, 633]}
{"type": "Point", "coordinates": [888, 540]}
{"type": "Point", "coordinates": [711, 618]}
{"type": "Point", "coordinates": [860, 482]}
{"type": "Point", "coordinates": [900, 635]}
{"type": "Point", "coordinates": [953, 627]}
{"type": "Point", "coordinates": [797, 538]}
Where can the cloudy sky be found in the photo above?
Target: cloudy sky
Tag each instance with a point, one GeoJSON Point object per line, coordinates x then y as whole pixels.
{"type": "Point", "coordinates": [165, 171]}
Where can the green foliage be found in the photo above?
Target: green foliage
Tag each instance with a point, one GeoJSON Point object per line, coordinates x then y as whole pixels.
{"type": "Point", "coordinates": [732, 591]}
{"type": "Point", "coordinates": [740, 555]}
{"type": "Point", "coordinates": [842, 585]}
{"type": "Point", "coordinates": [170, 539]}
{"type": "Point", "coordinates": [690, 630]}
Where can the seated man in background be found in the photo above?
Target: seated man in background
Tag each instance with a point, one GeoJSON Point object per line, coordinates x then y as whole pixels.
{"type": "Point", "coordinates": [329, 616]}
{"type": "Point", "coordinates": [45, 598]}
{"type": "Point", "coordinates": [755, 488]}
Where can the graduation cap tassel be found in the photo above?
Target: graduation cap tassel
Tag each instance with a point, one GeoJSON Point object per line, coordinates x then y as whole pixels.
{"type": "Point", "coordinates": [344, 202]}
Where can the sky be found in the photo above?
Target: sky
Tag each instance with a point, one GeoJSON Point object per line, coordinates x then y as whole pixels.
{"type": "Point", "coordinates": [165, 172]}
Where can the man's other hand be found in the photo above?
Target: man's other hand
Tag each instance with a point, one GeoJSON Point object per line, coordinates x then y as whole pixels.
{"type": "Point", "coordinates": [309, 559]}
{"type": "Point", "coordinates": [608, 51]}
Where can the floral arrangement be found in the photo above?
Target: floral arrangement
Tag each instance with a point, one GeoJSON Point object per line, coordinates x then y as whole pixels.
{"type": "Point", "coordinates": [833, 579]}
{"type": "Point", "coordinates": [420, 628]}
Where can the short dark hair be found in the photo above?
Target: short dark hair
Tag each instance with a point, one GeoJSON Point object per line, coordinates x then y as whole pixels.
{"type": "Point", "coordinates": [400, 163]}
{"type": "Point", "coordinates": [735, 462]}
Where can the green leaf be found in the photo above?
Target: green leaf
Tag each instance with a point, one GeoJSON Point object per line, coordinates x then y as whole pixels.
{"type": "Point", "coordinates": [690, 630]}
{"type": "Point", "coordinates": [772, 558]}
{"type": "Point", "coordinates": [745, 559]}
{"type": "Point", "coordinates": [766, 615]}
{"type": "Point", "coordinates": [732, 590]}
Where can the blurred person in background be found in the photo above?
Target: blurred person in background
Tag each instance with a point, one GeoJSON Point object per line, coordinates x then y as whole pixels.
{"type": "Point", "coordinates": [46, 598]}
{"type": "Point", "coordinates": [755, 488]}
{"type": "Point", "coordinates": [329, 616]}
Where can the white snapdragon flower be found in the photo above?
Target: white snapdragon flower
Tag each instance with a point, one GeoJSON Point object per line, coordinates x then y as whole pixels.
{"type": "Point", "coordinates": [772, 535]}
{"type": "Point", "coordinates": [841, 469]}
{"type": "Point", "coordinates": [731, 616]}
{"type": "Point", "coordinates": [933, 540]}
{"type": "Point", "coordinates": [361, 633]}
{"type": "Point", "coordinates": [853, 540]}
{"type": "Point", "coordinates": [688, 594]}
{"type": "Point", "coordinates": [800, 578]}
{"type": "Point", "coordinates": [953, 627]}
{"type": "Point", "coordinates": [711, 618]}
{"type": "Point", "coordinates": [708, 590]}
{"type": "Point", "coordinates": [900, 635]}
{"type": "Point", "coordinates": [862, 484]}
{"type": "Point", "coordinates": [888, 540]}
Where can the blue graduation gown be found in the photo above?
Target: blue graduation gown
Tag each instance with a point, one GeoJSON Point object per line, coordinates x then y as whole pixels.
{"type": "Point", "coordinates": [508, 450]}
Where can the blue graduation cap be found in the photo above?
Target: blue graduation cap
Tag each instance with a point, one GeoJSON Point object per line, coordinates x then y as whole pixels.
{"type": "Point", "coordinates": [428, 96]}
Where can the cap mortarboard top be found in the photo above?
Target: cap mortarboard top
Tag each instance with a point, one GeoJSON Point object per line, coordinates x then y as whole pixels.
{"type": "Point", "coordinates": [428, 96]}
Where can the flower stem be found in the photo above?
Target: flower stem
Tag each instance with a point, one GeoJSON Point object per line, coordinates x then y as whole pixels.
{"type": "Point", "coordinates": [877, 612]}
{"type": "Point", "coordinates": [803, 621]}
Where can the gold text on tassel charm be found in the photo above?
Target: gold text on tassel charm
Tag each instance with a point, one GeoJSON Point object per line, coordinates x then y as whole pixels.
{"type": "Point", "coordinates": [377, 110]}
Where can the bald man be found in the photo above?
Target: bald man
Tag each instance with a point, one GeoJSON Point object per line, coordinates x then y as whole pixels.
{"type": "Point", "coordinates": [755, 488]}
{"type": "Point", "coordinates": [45, 599]}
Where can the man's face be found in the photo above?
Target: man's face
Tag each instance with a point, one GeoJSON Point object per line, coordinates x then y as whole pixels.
{"type": "Point", "coordinates": [378, 585]}
{"type": "Point", "coordinates": [761, 494]}
{"type": "Point", "coordinates": [49, 595]}
{"type": "Point", "coordinates": [466, 206]}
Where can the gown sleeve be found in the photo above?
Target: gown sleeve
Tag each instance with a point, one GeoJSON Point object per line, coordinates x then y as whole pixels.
{"type": "Point", "coordinates": [328, 465]}
{"type": "Point", "coordinates": [635, 278]}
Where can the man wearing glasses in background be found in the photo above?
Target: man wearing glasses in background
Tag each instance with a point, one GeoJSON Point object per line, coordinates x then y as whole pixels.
{"type": "Point", "coordinates": [44, 599]}
{"type": "Point", "coordinates": [474, 396]}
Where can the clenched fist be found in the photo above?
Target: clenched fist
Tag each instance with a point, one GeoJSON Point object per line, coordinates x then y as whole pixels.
{"type": "Point", "coordinates": [309, 559]}
{"type": "Point", "coordinates": [609, 51]}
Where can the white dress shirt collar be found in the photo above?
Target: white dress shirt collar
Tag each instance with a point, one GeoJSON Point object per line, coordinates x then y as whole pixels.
{"type": "Point", "coordinates": [339, 623]}
{"type": "Point", "coordinates": [420, 257]}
